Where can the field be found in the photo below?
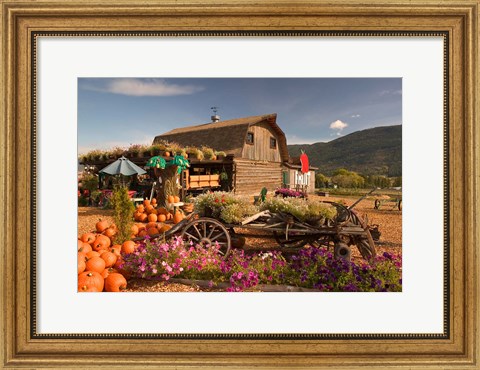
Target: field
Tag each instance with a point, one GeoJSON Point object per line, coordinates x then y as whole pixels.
{"type": "Point", "coordinates": [388, 219]}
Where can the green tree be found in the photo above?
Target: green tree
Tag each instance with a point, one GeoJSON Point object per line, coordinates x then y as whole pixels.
{"type": "Point", "coordinates": [321, 181]}
{"type": "Point", "coordinates": [123, 209]}
{"type": "Point", "coordinates": [348, 179]}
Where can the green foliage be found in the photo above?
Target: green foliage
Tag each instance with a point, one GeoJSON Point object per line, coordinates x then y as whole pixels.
{"type": "Point", "coordinates": [226, 206]}
{"type": "Point", "coordinates": [123, 209]}
{"type": "Point", "coordinates": [304, 210]}
{"type": "Point", "coordinates": [90, 183]}
{"type": "Point", "coordinates": [347, 179]}
{"type": "Point", "coordinates": [321, 180]}
{"type": "Point", "coordinates": [377, 181]}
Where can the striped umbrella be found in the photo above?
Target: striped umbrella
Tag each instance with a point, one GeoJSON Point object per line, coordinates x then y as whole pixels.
{"type": "Point", "coordinates": [123, 166]}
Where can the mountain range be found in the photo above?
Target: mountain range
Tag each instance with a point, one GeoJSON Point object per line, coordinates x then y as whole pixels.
{"type": "Point", "coordinates": [374, 151]}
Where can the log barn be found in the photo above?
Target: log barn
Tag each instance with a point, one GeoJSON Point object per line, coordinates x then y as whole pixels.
{"type": "Point", "coordinates": [256, 149]}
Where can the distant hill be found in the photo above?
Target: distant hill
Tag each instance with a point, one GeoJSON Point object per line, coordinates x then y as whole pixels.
{"type": "Point", "coordinates": [375, 151]}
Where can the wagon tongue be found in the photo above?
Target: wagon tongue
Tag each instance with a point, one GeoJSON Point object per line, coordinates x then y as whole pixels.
{"type": "Point", "coordinates": [362, 198]}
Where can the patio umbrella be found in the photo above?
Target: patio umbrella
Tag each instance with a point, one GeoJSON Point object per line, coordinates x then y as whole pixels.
{"type": "Point", "coordinates": [123, 166]}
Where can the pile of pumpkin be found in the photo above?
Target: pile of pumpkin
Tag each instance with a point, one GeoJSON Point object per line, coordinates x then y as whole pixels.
{"type": "Point", "coordinates": [99, 260]}
{"type": "Point", "coordinates": [152, 220]}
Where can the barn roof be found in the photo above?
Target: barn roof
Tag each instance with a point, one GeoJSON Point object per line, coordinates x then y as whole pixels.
{"type": "Point", "coordinates": [228, 136]}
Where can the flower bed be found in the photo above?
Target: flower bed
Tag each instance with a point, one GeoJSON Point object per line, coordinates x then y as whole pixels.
{"type": "Point", "coordinates": [289, 193]}
{"type": "Point", "coordinates": [311, 268]}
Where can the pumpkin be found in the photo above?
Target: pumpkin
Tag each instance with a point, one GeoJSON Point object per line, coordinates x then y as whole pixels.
{"type": "Point", "coordinates": [84, 247]}
{"type": "Point", "coordinates": [165, 228]}
{"type": "Point", "coordinates": [88, 238]}
{"type": "Point", "coordinates": [169, 216]}
{"type": "Point", "coordinates": [115, 249]}
{"type": "Point", "coordinates": [152, 231]}
{"type": "Point", "coordinates": [108, 271]}
{"type": "Point", "coordinates": [162, 218]}
{"type": "Point", "coordinates": [177, 217]}
{"type": "Point", "coordinates": [176, 199]}
{"type": "Point", "coordinates": [141, 227]}
{"type": "Point", "coordinates": [142, 233]}
{"type": "Point", "coordinates": [171, 199]}
{"type": "Point", "coordinates": [81, 265]}
{"type": "Point", "coordinates": [152, 217]}
{"type": "Point", "coordinates": [115, 282]}
{"type": "Point", "coordinates": [162, 211]}
{"type": "Point", "coordinates": [101, 225]}
{"type": "Point", "coordinates": [109, 232]}
{"type": "Point", "coordinates": [150, 224]}
{"type": "Point", "coordinates": [154, 201]}
{"type": "Point", "coordinates": [96, 264]}
{"type": "Point", "coordinates": [92, 254]}
{"type": "Point", "coordinates": [128, 247]}
{"type": "Point", "coordinates": [90, 281]}
{"type": "Point", "coordinates": [146, 202]}
{"type": "Point", "coordinates": [102, 242]}
{"type": "Point", "coordinates": [82, 255]}
{"type": "Point", "coordinates": [109, 258]}
{"type": "Point", "coordinates": [149, 209]}
{"type": "Point", "coordinates": [143, 217]}
{"type": "Point", "coordinates": [166, 154]}
{"type": "Point", "coordinates": [134, 229]}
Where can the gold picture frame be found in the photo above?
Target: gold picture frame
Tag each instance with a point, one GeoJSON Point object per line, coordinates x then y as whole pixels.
{"type": "Point", "coordinates": [22, 20]}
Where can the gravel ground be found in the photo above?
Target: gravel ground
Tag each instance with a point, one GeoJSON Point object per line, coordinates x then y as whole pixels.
{"type": "Point", "coordinates": [389, 221]}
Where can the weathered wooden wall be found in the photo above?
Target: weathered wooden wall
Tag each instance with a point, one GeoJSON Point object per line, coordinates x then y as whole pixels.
{"type": "Point", "coordinates": [260, 149]}
{"type": "Point", "coordinates": [252, 176]}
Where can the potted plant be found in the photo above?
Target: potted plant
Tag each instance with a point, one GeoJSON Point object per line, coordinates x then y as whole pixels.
{"type": "Point", "coordinates": [220, 155]}
{"type": "Point", "coordinates": [208, 153]}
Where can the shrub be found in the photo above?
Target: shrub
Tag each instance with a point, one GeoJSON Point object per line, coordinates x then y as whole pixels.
{"type": "Point", "coordinates": [123, 209]}
{"type": "Point", "coordinates": [226, 206]}
{"type": "Point", "coordinates": [300, 208]}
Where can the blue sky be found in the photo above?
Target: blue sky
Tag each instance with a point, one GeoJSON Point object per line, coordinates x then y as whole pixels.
{"type": "Point", "coordinates": [122, 111]}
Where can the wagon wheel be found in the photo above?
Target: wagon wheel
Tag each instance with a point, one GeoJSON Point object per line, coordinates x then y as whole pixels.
{"type": "Point", "coordinates": [399, 205]}
{"type": "Point", "coordinates": [207, 231]}
{"type": "Point", "coordinates": [377, 204]}
{"type": "Point", "coordinates": [365, 243]}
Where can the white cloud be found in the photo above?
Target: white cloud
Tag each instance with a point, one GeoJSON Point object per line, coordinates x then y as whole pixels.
{"type": "Point", "coordinates": [338, 125]}
{"type": "Point", "coordinates": [144, 87]}
{"type": "Point", "coordinates": [355, 115]}
{"type": "Point", "coordinates": [390, 92]}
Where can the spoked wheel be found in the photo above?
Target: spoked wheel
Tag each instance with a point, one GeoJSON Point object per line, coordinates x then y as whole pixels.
{"type": "Point", "coordinates": [208, 231]}
{"type": "Point", "coordinates": [366, 246]}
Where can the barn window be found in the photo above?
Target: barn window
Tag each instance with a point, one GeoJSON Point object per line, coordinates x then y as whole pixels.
{"type": "Point", "coordinates": [249, 137]}
{"type": "Point", "coordinates": [273, 143]}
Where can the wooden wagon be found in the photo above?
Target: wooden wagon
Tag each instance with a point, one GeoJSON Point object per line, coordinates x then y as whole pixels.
{"type": "Point", "coordinates": [347, 229]}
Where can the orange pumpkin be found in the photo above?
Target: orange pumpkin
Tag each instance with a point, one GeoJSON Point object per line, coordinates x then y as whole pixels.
{"type": "Point", "coordinates": [143, 217]}
{"type": "Point", "coordinates": [134, 229]}
{"type": "Point", "coordinates": [101, 242]}
{"type": "Point", "coordinates": [165, 228]}
{"type": "Point", "coordinates": [146, 202]}
{"type": "Point", "coordinates": [109, 232]}
{"type": "Point", "coordinates": [115, 282]}
{"type": "Point", "coordinates": [90, 281]}
{"type": "Point", "coordinates": [81, 255]}
{"type": "Point", "coordinates": [88, 238]}
{"type": "Point", "coordinates": [115, 249]}
{"type": "Point", "coordinates": [101, 225]}
{"type": "Point", "coordinates": [154, 201]}
{"type": "Point", "coordinates": [96, 264]}
{"type": "Point", "coordinates": [92, 254]}
{"type": "Point", "coordinates": [176, 199]}
{"type": "Point", "coordinates": [108, 271]}
{"type": "Point", "coordinates": [109, 258]}
{"type": "Point", "coordinates": [152, 231]}
{"type": "Point", "coordinates": [81, 265]}
{"type": "Point", "coordinates": [142, 233]}
{"type": "Point", "coordinates": [171, 199]}
{"type": "Point", "coordinates": [152, 217]}
{"type": "Point", "coordinates": [84, 247]}
{"type": "Point", "coordinates": [162, 211]}
{"type": "Point", "coordinates": [128, 247]}
{"type": "Point", "coordinates": [162, 218]}
{"type": "Point", "coordinates": [177, 217]}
